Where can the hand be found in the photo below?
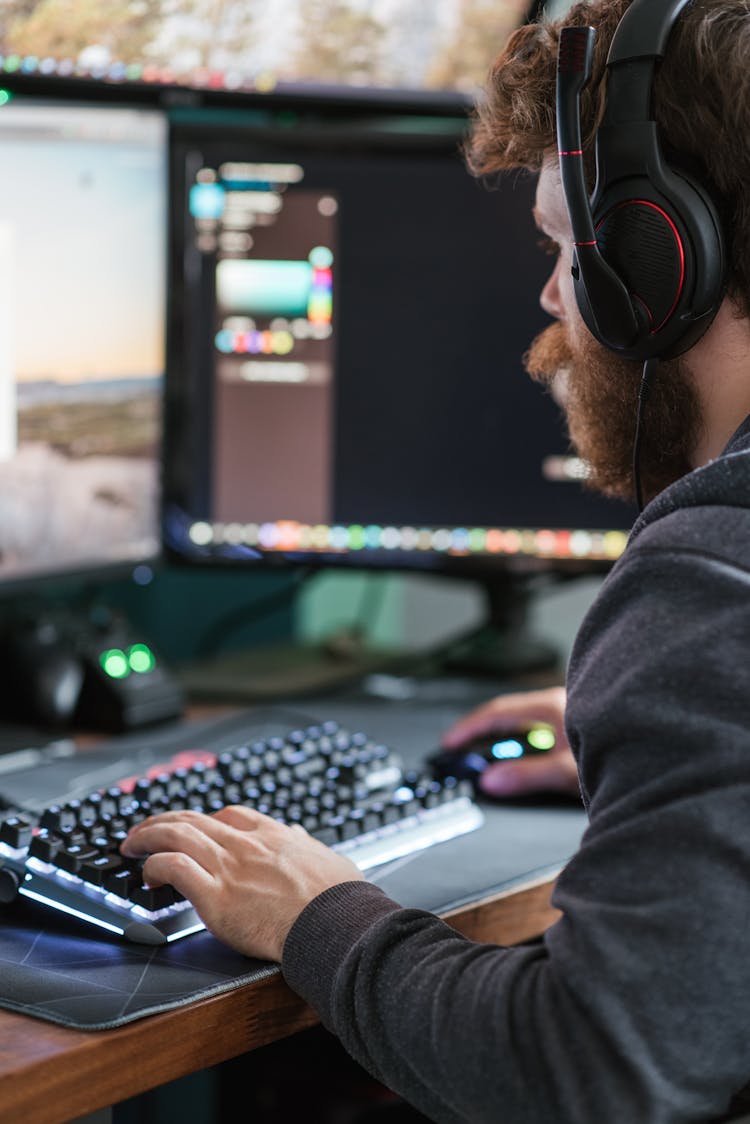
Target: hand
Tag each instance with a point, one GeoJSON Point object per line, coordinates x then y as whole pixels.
{"type": "Point", "coordinates": [248, 876]}
{"type": "Point", "coordinates": [552, 771]}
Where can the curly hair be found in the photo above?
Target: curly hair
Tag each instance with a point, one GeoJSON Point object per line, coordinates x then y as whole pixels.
{"type": "Point", "coordinates": [701, 105]}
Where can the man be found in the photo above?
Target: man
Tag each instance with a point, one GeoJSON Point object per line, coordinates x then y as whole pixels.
{"type": "Point", "coordinates": [633, 1008]}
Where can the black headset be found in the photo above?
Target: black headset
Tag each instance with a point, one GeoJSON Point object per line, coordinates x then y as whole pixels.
{"type": "Point", "coordinates": [649, 265]}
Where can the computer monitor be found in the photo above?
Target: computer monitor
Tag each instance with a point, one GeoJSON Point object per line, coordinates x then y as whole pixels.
{"type": "Point", "coordinates": [83, 215]}
{"type": "Point", "coordinates": [82, 339]}
{"type": "Point", "coordinates": [230, 50]}
{"type": "Point", "coordinates": [349, 312]}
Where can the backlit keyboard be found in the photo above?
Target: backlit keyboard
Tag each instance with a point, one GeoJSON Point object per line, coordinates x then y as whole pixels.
{"type": "Point", "coordinates": [345, 788]}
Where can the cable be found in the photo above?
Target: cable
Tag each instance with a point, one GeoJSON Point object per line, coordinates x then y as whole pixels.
{"type": "Point", "coordinates": [213, 639]}
{"type": "Point", "coordinates": [649, 368]}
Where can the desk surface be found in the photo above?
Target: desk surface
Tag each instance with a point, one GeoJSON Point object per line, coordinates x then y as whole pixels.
{"type": "Point", "coordinates": [50, 1074]}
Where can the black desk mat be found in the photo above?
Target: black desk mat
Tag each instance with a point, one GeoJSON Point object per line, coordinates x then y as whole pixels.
{"type": "Point", "coordinates": [57, 969]}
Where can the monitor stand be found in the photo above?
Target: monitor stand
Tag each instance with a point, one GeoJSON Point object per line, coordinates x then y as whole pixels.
{"type": "Point", "coordinates": [503, 644]}
{"type": "Point", "coordinates": [502, 647]}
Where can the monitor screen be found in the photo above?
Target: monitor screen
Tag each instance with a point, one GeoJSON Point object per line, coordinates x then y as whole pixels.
{"type": "Point", "coordinates": [349, 314]}
{"type": "Point", "coordinates": [82, 329]}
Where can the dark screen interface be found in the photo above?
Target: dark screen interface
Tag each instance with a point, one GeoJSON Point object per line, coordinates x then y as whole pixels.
{"type": "Point", "coordinates": [272, 251]}
{"type": "Point", "coordinates": [352, 321]}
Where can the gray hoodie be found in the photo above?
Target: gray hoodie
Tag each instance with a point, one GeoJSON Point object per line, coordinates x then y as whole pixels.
{"type": "Point", "coordinates": [635, 1006]}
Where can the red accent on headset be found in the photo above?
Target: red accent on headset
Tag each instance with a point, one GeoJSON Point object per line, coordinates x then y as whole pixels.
{"type": "Point", "coordinates": [573, 152]}
{"type": "Point", "coordinates": [585, 243]}
{"type": "Point", "coordinates": [680, 247]}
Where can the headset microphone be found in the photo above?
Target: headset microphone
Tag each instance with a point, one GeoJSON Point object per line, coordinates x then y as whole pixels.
{"type": "Point", "coordinates": [616, 320]}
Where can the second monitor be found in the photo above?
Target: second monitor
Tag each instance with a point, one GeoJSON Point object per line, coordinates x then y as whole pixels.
{"type": "Point", "coordinates": [349, 313]}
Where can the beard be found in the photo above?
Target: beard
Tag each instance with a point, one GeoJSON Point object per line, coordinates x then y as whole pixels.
{"type": "Point", "coordinates": [600, 403]}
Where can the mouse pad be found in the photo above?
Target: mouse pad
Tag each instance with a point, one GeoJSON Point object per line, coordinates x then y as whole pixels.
{"type": "Point", "coordinates": [56, 969]}
{"type": "Point", "coordinates": [53, 969]}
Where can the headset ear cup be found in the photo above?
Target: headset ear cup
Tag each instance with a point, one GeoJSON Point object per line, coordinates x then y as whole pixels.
{"type": "Point", "coordinates": [644, 246]}
{"type": "Point", "coordinates": [663, 238]}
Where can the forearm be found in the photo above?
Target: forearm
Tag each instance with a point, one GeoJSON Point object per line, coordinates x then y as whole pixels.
{"type": "Point", "coordinates": [596, 1022]}
{"type": "Point", "coordinates": [455, 1027]}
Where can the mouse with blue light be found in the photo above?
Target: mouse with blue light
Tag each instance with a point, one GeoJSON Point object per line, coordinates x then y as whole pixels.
{"type": "Point", "coordinates": [471, 761]}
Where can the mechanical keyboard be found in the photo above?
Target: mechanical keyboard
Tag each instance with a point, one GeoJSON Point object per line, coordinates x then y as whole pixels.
{"type": "Point", "coordinates": [347, 789]}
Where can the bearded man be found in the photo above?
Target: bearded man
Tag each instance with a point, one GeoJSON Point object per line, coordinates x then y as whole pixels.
{"type": "Point", "coordinates": [633, 1008]}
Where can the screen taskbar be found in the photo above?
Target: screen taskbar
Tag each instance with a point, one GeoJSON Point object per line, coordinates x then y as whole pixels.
{"type": "Point", "coordinates": [291, 537]}
{"type": "Point", "coordinates": [101, 68]}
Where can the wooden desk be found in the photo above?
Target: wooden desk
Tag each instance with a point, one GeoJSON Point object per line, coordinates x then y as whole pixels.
{"type": "Point", "coordinates": [50, 1074]}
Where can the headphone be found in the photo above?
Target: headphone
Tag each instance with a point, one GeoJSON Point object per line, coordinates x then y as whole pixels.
{"type": "Point", "coordinates": [649, 264]}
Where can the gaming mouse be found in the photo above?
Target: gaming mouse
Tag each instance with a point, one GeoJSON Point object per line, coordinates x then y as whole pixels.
{"type": "Point", "coordinates": [470, 761]}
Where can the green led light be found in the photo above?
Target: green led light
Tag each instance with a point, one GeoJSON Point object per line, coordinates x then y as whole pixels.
{"type": "Point", "coordinates": [115, 663]}
{"type": "Point", "coordinates": [12, 63]}
{"type": "Point", "coordinates": [541, 737]}
{"type": "Point", "coordinates": [5, 96]}
{"type": "Point", "coordinates": [141, 658]}
{"type": "Point", "coordinates": [357, 537]}
{"type": "Point", "coordinates": [477, 540]}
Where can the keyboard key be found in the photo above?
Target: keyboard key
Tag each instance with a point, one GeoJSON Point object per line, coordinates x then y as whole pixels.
{"type": "Point", "coordinates": [16, 831]}
{"type": "Point", "coordinates": [153, 897]}
{"type": "Point", "coordinates": [96, 870]}
{"type": "Point", "coordinates": [45, 845]}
